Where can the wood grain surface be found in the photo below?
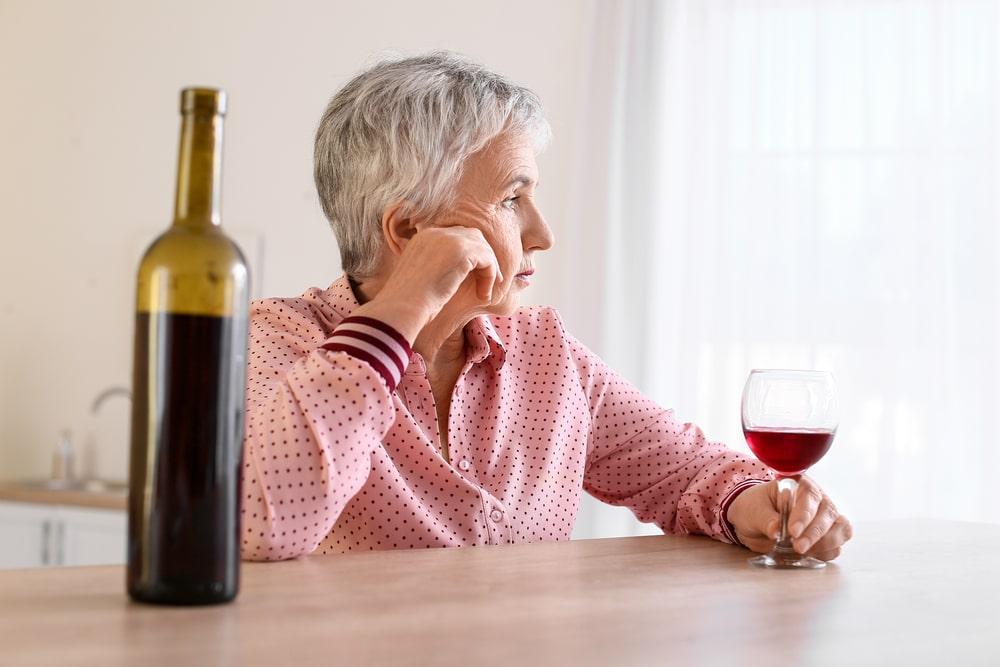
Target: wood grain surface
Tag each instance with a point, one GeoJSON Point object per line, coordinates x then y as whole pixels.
{"type": "Point", "coordinates": [904, 592]}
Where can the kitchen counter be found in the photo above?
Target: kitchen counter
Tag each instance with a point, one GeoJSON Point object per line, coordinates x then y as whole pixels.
{"type": "Point", "coordinates": [904, 592]}
{"type": "Point", "coordinates": [29, 492]}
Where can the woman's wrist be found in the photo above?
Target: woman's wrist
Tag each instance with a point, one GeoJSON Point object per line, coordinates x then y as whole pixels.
{"type": "Point", "coordinates": [407, 318]}
{"type": "Point", "coordinates": [733, 508]}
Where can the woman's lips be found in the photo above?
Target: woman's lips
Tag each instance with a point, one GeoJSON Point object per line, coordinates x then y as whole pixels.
{"type": "Point", "coordinates": [525, 276]}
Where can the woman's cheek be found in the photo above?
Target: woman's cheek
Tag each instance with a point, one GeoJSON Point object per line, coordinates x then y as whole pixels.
{"type": "Point", "coordinates": [507, 247]}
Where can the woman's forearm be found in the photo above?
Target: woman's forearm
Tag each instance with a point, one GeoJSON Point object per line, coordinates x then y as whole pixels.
{"type": "Point", "coordinates": [310, 433]}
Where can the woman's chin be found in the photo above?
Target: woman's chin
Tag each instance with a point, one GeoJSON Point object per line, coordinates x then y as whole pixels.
{"type": "Point", "coordinates": [508, 306]}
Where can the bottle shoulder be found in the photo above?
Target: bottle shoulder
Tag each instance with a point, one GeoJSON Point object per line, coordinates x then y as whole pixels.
{"type": "Point", "coordinates": [198, 272]}
{"type": "Point", "coordinates": [181, 246]}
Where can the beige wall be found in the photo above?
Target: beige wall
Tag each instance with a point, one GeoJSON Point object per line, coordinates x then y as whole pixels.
{"type": "Point", "coordinates": [88, 96]}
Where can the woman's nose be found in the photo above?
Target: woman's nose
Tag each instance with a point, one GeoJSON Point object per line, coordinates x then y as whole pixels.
{"type": "Point", "coordinates": [538, 235]}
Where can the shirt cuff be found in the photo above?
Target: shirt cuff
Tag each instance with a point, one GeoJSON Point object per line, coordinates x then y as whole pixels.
{"type": "Point", "coordinates": [727, 528]}
{"type": "Point", "coordinates": [374, 342]}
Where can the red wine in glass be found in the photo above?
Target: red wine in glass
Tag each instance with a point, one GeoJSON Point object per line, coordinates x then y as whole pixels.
{"type": "Point", "coordinates": [789, 451]}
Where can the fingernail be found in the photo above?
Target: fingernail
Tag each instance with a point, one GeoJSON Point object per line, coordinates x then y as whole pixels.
{"type": "Point", "coordinates": [796, 529]}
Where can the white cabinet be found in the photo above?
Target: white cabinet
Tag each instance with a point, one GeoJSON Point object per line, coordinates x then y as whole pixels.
{"type": "Point", "coordinates": [35, 535]}
{"type": "Point", "coordinates": [25, 535]}
{"type": "Point", "coordinates": [91, 536]}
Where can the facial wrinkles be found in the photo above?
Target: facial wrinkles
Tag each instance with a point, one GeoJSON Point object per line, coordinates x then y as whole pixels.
{"type": "Point", "coordinates": [483, 188]}
{"type": "Point", "coordinates": [478, 204]}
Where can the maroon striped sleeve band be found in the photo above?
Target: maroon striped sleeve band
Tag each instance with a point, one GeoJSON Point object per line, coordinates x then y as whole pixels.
{"type": "Point", "coordinates": [375, 343]}
{"type": "Point", "coordinates": [727, 528]}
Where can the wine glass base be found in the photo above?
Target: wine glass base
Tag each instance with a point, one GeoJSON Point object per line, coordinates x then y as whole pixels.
{"type": "Point", "coordinates": [787, 562]}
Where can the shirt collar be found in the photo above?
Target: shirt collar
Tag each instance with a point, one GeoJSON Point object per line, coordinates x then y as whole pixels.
{"type": "Point", "coordinates": [340, 297]}
{"type": "Point", "coordinates": [483, 341]}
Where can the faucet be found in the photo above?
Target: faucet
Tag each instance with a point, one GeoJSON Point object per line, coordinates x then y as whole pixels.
{"type": "Point", "coordinates": [98, 484]}
{"type": "Point", "coordinates": [106, 394]}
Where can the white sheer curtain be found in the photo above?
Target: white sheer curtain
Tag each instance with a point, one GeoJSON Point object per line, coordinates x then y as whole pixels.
{"type": "Point", "coordinates": [802, 183]}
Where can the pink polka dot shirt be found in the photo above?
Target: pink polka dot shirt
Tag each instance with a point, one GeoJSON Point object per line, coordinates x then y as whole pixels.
{"type": "Point", "coordinates": [342, 438]}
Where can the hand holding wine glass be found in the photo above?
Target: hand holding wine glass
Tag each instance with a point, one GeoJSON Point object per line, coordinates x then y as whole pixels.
{"type": "Point", "coordinates": [789, 419]}
{"type": "Point", "coordinates": [816, 527]}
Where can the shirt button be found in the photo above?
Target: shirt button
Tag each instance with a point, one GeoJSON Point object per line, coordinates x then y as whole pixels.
{"type": "Point", "coordinates": [497, 516]}
{"type": "Point", "coordinates": [464, 465]}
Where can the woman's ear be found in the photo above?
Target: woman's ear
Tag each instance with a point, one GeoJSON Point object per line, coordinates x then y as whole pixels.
{"type": "Point", "coordinates": [397, 228]}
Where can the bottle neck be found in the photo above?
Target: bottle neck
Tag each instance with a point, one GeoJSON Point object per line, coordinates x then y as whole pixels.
{"type": "Point", "coordinates": [199, 172]}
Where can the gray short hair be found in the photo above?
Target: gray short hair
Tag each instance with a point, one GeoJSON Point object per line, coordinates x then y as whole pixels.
{"type": "Point", "coordinates": [399, 132]}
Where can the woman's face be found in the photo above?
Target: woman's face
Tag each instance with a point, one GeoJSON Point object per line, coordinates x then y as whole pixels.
{"type": "Point", "coordinates": [496, 196]}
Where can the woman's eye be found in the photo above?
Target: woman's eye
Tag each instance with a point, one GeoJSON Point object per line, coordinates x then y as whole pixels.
{"type": "Point", "coordinates": [510, 202]}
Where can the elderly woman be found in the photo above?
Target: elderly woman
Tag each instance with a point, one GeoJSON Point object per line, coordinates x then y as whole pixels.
{"type": "Point", "coordinates": [412, 403]}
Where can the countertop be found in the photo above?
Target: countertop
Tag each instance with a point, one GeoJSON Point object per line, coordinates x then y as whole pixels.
{"type": "Point", "coordinates": [28, 492]}
{"type": "Point", "coordinates": [904, 592]}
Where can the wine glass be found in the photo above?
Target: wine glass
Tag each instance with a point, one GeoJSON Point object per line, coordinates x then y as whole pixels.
{"type": "Point", "coordinates": [789, 420]}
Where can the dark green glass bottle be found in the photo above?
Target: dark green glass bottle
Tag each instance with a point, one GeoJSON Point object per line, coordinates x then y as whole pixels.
{"type": "Point", "coordinates": [189, 379]}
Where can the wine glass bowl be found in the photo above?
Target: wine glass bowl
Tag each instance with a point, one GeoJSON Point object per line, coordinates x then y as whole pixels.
{"type": "Point", "coordinates": [789, 419]}
{"type": "Point", "coordinates": [788, 452]}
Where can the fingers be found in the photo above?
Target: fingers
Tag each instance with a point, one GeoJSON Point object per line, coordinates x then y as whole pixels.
{"type": "Point", "coordinates": [807, 502]}
{"type": "Point", "coordinates": [773, 528]}
{"type": "Point", "coordinates": [487, 276]}
{"type": "Point", "coordinates": [769, 519]}
{"type": "Point", "coordinates": [815, 525]}
{"type": "Point", "coordinates": [760, 545]}
{"type": "Point", "coordinates": [482, 263]}
{"type": "Point", "coordinates": [822, 522]}
{"type": "Point", "coordinates": [828, 546]}
{"type": "Point", "coordinates": [826, 555]}
{"type": "Point", "coordinates": [438, 261]}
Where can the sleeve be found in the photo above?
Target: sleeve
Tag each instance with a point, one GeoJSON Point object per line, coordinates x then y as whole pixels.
{"type": "Point", "coordinates": [316, 410]}
{"type": "Point", "coordinates": [641, 456]}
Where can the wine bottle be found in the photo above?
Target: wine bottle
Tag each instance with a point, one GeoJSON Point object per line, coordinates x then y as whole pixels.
{"type": "Point", "coordinates": [188, 385]}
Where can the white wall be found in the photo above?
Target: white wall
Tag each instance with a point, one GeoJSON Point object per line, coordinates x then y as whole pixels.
{"type": "Point", "coordinates": [88, 132]}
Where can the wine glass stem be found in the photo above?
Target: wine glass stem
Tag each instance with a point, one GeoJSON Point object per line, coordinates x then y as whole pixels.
{"type": "Point", "coordinates": [787, 487]}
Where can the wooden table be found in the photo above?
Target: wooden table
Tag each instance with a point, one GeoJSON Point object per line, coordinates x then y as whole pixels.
{"type": "Point", "coordinates": [911, 592]}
